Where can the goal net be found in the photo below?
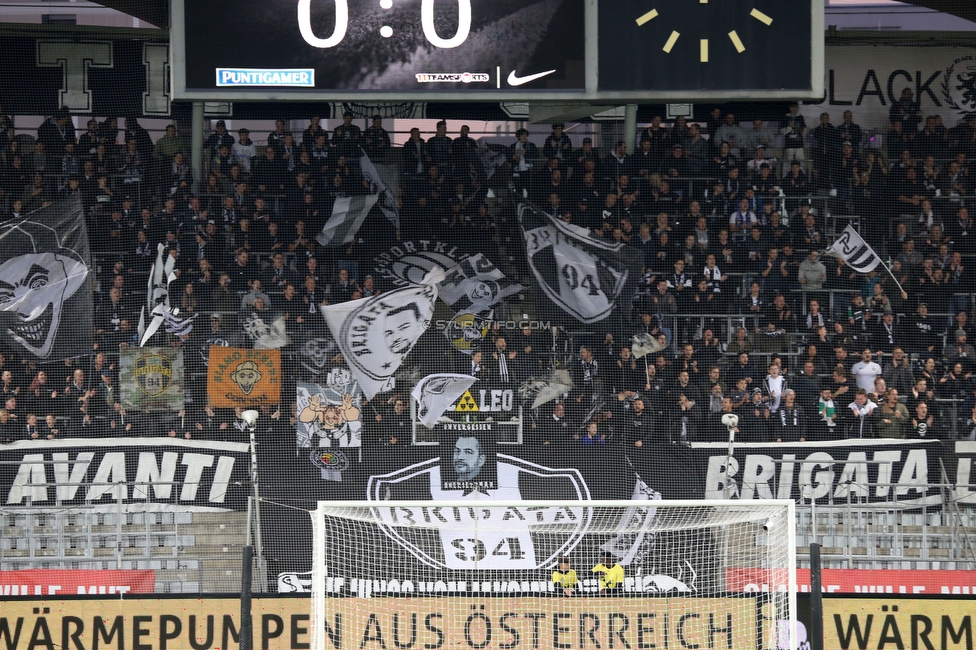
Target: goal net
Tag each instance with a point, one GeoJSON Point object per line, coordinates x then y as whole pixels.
{"type": "Point", "coordinates": [581, 574]}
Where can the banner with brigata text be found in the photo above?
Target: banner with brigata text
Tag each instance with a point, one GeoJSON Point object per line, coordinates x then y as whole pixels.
{"type": "Point", "coordinates": [151, 379]}
{"type": "Point", "coordinates": [905, 472]}
{"type": "Point", "coordinates": [246, 378]}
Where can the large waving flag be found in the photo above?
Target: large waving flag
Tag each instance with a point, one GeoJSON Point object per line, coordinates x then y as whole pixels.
{"type": "Point", "coordinates": [157, 306]}
{"type": "Point", "coordinates": [475, 284]}
{"type": "Point", "coordinates": [545, 389]}
{"type": "Point", "coordinates": [349, 212]}
{"type": "Point", "coordinates": [376, 334]}
{"type": "Point", "coordinates": [587, 278]}
{"type": "Point", "coordinates": [348, 215]}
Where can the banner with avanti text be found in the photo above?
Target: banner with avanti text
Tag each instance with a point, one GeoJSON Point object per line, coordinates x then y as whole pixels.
{"type": "Point", "coordinates": [159, 474]}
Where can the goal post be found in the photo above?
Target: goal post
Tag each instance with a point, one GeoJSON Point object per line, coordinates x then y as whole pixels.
{"type": "Point", "coordinates": [482, 573]}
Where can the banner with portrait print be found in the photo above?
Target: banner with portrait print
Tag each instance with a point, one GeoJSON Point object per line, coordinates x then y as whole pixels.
{"type": "Point", "coordinates": [376, 334]}
{"type": "Point", "coordinates": [45, 292]}
{"type": "Point", "coordinates": [246, 378]}
{"type": "Point", "coordinates": [151, 379]}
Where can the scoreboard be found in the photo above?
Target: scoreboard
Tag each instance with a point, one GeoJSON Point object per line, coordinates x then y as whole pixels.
{"type": "Point", "coordinates": [493, 50]}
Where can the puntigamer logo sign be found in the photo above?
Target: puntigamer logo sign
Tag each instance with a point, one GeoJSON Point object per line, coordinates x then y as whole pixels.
{"type": "Point", "coordinates": [302, 78]}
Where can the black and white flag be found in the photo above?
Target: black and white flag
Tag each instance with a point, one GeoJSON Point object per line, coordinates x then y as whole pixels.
{"type": "Point", "coordinates": [586, 277]}
{"type": "Point", "coordinates": [348, 215]}
{"type": "Point", "coordinates": [45, 288]}
{"type": "Point", "coordinates": [157, 301]}
{"type": "Point", "coordinates": [858, 254]}
{"type": "Point", "coordinates": [493, 158]}
{"type": "Point", "coordinates": [265, 329]}
{"type": "Point", "coordinates": [545, 389]}
{"type": "Point", "coordinates": [318, 352]}
{"type": "Point", "coordinates": [642, 345]}
{"type": "Point", "coordinates": [467, 330]}
{"type": "Point", "coordinates": [384, 180]}
{"type": "Point", "coordinates": [376, 334]}
{"type": "Point", "coordinates": [475, 285]}
{"type": "Point", "coordinates": [436, 393]}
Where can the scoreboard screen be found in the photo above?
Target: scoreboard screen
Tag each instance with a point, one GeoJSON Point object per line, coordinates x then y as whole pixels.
{"type": "Point", "coordinates": [491, 50]}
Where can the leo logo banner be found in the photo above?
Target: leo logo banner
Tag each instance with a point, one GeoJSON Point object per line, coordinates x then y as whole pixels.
{"type": "Point", "coordinates": [151, 379]}
{"type": "Point", "coordinates": [248, 378]}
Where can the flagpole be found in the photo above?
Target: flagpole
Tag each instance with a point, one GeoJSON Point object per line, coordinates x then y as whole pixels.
{"type": "Point", "coordinates": [904, 294]}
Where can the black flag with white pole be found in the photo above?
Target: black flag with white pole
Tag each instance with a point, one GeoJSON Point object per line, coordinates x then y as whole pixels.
{"type": "Point", "coordinates": [859, 255]}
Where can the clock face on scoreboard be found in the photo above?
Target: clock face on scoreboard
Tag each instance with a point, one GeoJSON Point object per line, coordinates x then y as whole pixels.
{"type": "Point", "coordinates": [408, 46]}
{"type": "Point", "coordinates": [705, 45]}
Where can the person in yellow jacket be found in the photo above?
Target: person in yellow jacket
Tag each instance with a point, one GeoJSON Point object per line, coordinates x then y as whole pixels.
{"type": "Point", "coordinates": [565, 576]}
{"type": "Point", "coordinates": [613, 574]}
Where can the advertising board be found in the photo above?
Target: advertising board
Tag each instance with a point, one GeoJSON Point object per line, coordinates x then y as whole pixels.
{"type": "Point", "coordinates": [354, 623]}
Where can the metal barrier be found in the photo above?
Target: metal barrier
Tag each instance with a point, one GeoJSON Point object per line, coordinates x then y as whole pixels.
{"type": "Point", "coordinates": [857, 534]}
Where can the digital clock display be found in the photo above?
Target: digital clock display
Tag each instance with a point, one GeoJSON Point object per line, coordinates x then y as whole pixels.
{"type": "Point", "coordinates": [707, 45]}
{"type": "Point", "coordinates": [371, 46]}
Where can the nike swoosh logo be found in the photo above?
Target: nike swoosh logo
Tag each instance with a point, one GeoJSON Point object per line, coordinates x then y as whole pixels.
{"type": "Point", "coordinates": [515, 80]}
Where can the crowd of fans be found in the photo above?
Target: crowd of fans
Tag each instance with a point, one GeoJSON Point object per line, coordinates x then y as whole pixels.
{"type": "Point", "coordinates": [731, 219]}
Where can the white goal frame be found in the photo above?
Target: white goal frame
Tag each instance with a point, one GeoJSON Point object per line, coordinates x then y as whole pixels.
{"type": "Point", "coordinates": [777, 508]}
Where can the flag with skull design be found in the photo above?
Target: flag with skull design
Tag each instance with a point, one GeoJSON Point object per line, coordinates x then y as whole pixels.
{"type": "Point", "coordinates": [45, 283]}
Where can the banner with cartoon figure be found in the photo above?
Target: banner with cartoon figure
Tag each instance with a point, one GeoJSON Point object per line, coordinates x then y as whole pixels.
{"type": "Point", "coordinates": [248, 378]}
{"type": "Point", "coordinates": [328, 420]}
{"type": "Point", "coordinates": [329, 415]}
{"type": "Point", "coordinates": [45, 296]}
{"type": "Point", "coordinates": [151, 379]}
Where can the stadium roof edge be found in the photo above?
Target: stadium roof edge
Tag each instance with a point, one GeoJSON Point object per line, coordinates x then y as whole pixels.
{"type": "Point", "coordinates": [80, 31]}
{"type": "Point", "coordinates": [155, 12]}
{"type": "Point", "coordinates": [962, 8]}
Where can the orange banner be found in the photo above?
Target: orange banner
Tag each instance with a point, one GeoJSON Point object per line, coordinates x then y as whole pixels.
{"type": "Point", "coordinates": [248, 378]}
{"type": "Point", "coordinates": [64, 582]}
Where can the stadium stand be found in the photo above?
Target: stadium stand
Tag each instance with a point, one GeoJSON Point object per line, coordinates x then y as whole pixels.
{"type": "Point", "coordinates": [715, 232]}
